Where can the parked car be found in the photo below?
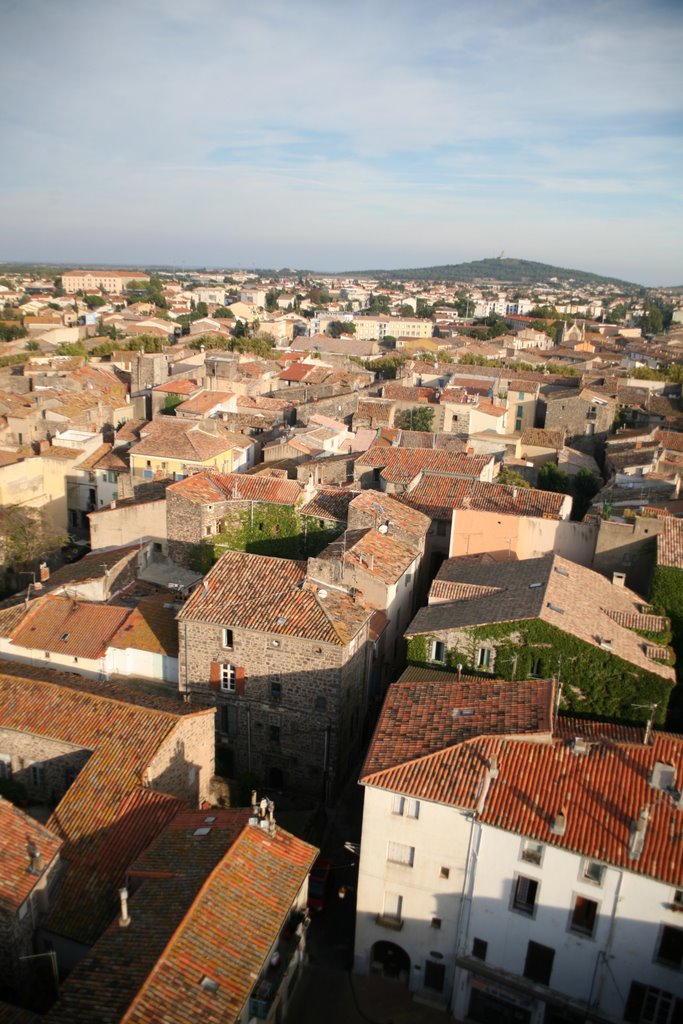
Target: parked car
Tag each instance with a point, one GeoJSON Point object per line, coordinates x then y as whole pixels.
{"type": "Point", "coordinates": [319, 884]}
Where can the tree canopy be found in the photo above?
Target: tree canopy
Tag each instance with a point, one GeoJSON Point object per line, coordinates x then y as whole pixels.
{"type": "Point", "coordinates": [26, 535]}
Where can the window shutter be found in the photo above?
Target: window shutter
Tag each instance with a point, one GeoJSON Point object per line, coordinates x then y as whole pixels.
{"type": "Point", "coordinates": [215, 675]}
{"type": "Point", "coordinates": [239, 682]}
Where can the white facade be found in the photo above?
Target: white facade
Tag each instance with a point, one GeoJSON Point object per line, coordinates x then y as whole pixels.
{"type": "Point", "coordinates": [505, 928]}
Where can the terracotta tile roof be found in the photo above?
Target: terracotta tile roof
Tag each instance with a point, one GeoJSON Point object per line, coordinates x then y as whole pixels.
{"type": "Point", "coordinates": [446, 590]}
{"type": "Point", "coordinates": [117, 460]}
{"type": "Point", "coordinates": [151, 626]}
{"type": "Point", "coordinates": [18, 830]}
{"type": "Point", "coordinates": [56, 451]}
{"type": "Point", "coordinates": [376, 554]}
{"type": "Point", "coordinates": [384, 508]}
{"type": "Point", "coordinates": [204, 402]}
{"type": "Point", "coordinates": [375, 410]}
{"type": "Point", "coordinates": [640, 621]}
{"type": "Point", "coordinates": [670, 440]}
{"type": "Point", "coordinates": [437, 496]}
{"type": "Point", "coordinates": [130, 430]}
{"type": "Point", "coordinates": [106, 816]}
{"type": "Point", "coordinates": [670, 544]}
{"type": "Point", "coordinates": [401, 393]}
{"type": "Point", "coordinates": [401, 465]}
{"type": "Point", "coordinates": [93, 566]}
{"type": "Point", "coordinates": [570, 597]}
{"type": "Point", "coordinates": [209, 487]}
{"type": "Point", "coordinates": [422, 439]}
{"type": "Point", "coordinates": [240, 911]}
{"type": "Point", "coordinates": [297, 372]}
{"type": "Point", "coordinates": [178, 387]}
{"type": "Point", "coordinates": [421, 717]}
{"type": "Point", "coordinates": [330, 503]}
{"type": "Point", "coordinates": [64, 626]}
{"type": "Point", "coordinates": [182, 439]}
{"type": "Point", "coordinates": [601, 792]}
{"type": "Point", "coordinates": [271, 595]}
{"type": "Point", "coordinates": [167, 878]}
{"type": "Point", "coordinates": [535, 437]}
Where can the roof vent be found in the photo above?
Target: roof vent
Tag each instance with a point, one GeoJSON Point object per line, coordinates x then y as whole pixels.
{"type": "Point", "coordinates": [561, 572]}
{"type": "Point", "coordinates": [663, 776]}
{"type": "Point", "coordinates": [559, 825]}
{"type": "Point", "coordinates": [462, 712]}
{"type": "Point", "coordinates": [533, 586]}
{"type": "Point", "coordinates": [203, 831]}
{"type": "Point", "coordinates": [208, 984]}
{"type": "Point", "coordinates": [580, 745]}
{"type": "Point", "coordinates": [322, 593]}
{"type": "Point", "coordinates": [619, 579]}
{"type": "Point", "coordinates": [383, 528]}
{"type": "Point", "coordinates": [124, 919]}
{"type": "Point", "coordinates": [555, 608]}
{"type": "Point", "coordinates": [638, 830]}
{"type": "Point", "coordinates": [606, 644]}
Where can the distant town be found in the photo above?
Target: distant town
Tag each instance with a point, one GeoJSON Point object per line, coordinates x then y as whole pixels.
{"type": "Point", "coordinates": [341, 624]}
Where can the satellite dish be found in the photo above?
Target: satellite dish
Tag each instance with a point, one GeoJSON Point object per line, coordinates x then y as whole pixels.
{"type": "Point", "coordinates": [322, 593]}
{"type": "Point", "coordinates": [384, 528]}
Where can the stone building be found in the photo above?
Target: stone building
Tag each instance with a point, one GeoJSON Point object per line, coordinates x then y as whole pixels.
{"type": "Point", "coordinates": [586, 418]}
{"type": "Point", "coordinates": [286, 661]}
{"type": "Point", "coordinates": [30, 868]}
{"type": "Point", "coordinates": [115, 764]}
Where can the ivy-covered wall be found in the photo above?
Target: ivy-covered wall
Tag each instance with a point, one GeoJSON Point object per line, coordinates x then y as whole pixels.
{"type": "Point", "coordinates": [667, 596]}
{"type": "Point", "coordinates": [593, 681]}
{"type": "Point", "coordinates": [275, 530]}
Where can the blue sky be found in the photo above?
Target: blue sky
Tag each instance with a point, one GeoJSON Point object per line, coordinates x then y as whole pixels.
{"type": "Point", "coordinates": [344, 135]}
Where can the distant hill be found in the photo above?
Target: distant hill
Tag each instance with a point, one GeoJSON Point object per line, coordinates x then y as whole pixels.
{"type": "Point", "coordinates": [501, 269]}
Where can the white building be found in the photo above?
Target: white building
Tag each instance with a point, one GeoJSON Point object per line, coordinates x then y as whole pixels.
{"type": "Point", "coordinates": [520, 873]}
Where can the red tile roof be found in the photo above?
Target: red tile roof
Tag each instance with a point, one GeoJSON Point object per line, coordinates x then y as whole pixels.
{"type": "Point", "coordinates": [438, 496]}
{"type": "Point", "coordinates": [64, 626]}
{"type": "Point", "coordinates": [106, 817]}
{"type": "Point", "coordinates": [426, 715]}
{"type": "Point", "coordinates": [401, 465]}
{"type": "Point", "coordinates": [18, 830]}
{"type": "Point", "coordinates": [208, 487]}
{"type": "Point", "coordinates": [670, 544]}
{"type": "Point", "coordinates": [271, 595]}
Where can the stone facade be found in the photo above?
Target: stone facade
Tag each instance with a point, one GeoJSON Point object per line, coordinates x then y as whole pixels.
{"type": "Point", "coordinates": [46, 767]}
{"type": "Point", "coordinates": [587, 421]}
{"type": "Point", "coordinates": [184, 764]}
{"type": "Point", "coordinates": [295, 716]}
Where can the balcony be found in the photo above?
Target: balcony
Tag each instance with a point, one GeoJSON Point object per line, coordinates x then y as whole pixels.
{"type": "Point", "coordinates": [283, 968]}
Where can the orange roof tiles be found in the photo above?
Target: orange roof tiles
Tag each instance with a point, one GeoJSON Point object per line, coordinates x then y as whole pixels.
{"type": "Point", "coordinates": [670, 544]}
{"type": "Point", "coordinates": [18, 830]}
{"type": "Point", "coordinates": [401, 465]}
{"type": "Point", "coordinates": [64, 626]}
{"type": "Point", "coordinates": [438, 496]}
{"type": "Point", "coordinates": [208, 487]}
{"type": "Point", "coordinates": [271, 595]}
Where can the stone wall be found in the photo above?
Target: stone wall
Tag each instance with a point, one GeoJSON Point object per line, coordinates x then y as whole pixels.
{"type": "Point", "coordinates": [55, 763]}
{"type": "Point", "coordinates": [185, 763]}
{"type": "Point", "coordinates": [290, 714]}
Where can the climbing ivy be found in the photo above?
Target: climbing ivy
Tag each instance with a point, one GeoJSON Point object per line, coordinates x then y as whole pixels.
{"type": "Point", "coordinates": [263, 529]}
{"type": "Point", "coordinates": [593, 681]}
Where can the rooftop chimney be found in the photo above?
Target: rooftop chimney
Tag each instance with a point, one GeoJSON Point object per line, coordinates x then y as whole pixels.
{"type": "Point", "coordinates": [35, 859]}
{"type": "Point", "coordinates": [559, 825]}
{"type": "Point", "coordinates": [124, 919]}
{"type": "Point", "coordinates": [638, 830]}
{"type": "Point", "coordinates": [619, 579]}
{"type": "Point", "coordinates": [44, 572]}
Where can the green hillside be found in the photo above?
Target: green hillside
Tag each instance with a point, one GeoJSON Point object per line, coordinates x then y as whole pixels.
{"type": "Point", "coordinates": [502, 270]}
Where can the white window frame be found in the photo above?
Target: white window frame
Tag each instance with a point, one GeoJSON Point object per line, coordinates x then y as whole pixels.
{"type": "Point", "coordinates": [485, 658]}
{"type": "Point", "coordinates": [400, 853]}
{"type": "Point", "coordinates": [578, 930]}
{"type": "Point", "coordinates": [435, 645]}
{"type": "Point", "coordinates": [412, 807]}
{"type": "Point", "coordinates": [5, 766]}
{"type": "Point", "coordinates": [228, 636]}
{"type": "Point", "coordinates": [228, 677]}
{"type": "Point", "coordinates": [392, 907]}
{"type": "Point", "coordinates": [532, 852]}
{"type": "Point", "coordinates": [524, 907]}
{"type": "Point", "coordinates": [586, 866]}
{"type": "Point", "coordinates": [397, 804]}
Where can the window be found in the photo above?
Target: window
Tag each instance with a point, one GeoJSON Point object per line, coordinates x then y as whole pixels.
{"type": "Point", "coordinates": [520, 410]}
{"type": "Point", "coordinates": [37, 775]}
{"type": "Point", "coordinates": [393, 904]}
{"type": "Point", "coordinates": [435, 922]}
{"type": "Point", "coordinates": [399, 853]}
{"type": "Point", "coordinates": [532, 852]}
{"type": "Point", "coordinates": [274, 734]}
{"type": "Point", "coordinates": [648, 1005]}
{"type": "Point", "coordinates": [228, 639]}
{"type": "Point", "coordinates": [441, 528]}
{"type": "Point", "coordinates": [479, 949]}
{"type": "Point", "coordinates": [227, 720]}
{"type": "Point", "coordinates": [518, 425]}
{"type": "Point", "coordinates": [276, 690]}
{"type": "Point", "coordinates": [320, 703]}
{"type": "Point", "coordinates": [444, 872]}
{"type": "Point", "coordinates": [484, 657]}
{"type": "Point", "coordinates": [536, 667]}
{"type": "Point", "coordinates": [539, 963]}
{"type": "Point", "coordinates": [593, 871]}
{"type": "Point", "coordinates": [670, 949]}
{"type": "Point", "coordinates": [412, 808]}
{"type": "Point", "coordinates": [228, 678]}
{"type": "Point", "coordinates": [438, 650]}
{"type": "Point", "coordinates": [524, 895]}
{"type": "Point", "coordinates": [676, 902]}
{"type": "Point", "coordinates": [397, 805]}
{"type": "Point", "coordinates": [583, 916]}
{"type": "Point", "coordinates": [5, 766]}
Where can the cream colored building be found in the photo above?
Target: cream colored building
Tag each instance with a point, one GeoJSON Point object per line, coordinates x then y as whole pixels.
{"type": "Point", "coordinates": [378, 327]}
{"type": "Point", "coordinates": [110, 280]}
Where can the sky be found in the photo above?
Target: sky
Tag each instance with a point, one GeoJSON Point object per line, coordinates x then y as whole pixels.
{"type": "Point", "coordinates": [344, 135]}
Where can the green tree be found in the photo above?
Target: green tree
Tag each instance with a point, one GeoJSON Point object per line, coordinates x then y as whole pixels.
{"type": "Point", "coordinates": [27, 535]}
{"type": "Point", "coordinates": [271, 300]}
{"type": "Point", "coordinates": [651, 322]}
{"type": "Point", "coordinates": [32, 346]}
{"type": "Point", "coordinates": [420, 417]}
{"type": "Point", "coordinates": [511, 478]}
{"type": "Point", "coordinates": [94, 301]}
{"type": "Point", "coordinates": [336, 328]}
{"type": "Point", "coordinates": [552, 478]}
{"type": "Point", "coordinates": [585, 486]}
{"type": "Point", "coordinates": [223, 313]}
{"type": "Point", "coordinates": [201, 310]}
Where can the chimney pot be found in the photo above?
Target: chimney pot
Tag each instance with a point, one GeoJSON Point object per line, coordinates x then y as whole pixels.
{"type": "Point", "coordinates": [619, 579]}
{"type": "Point", "coordinates": [559, 825]}
{"type": "Point", "coordinates": [124, 919]}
